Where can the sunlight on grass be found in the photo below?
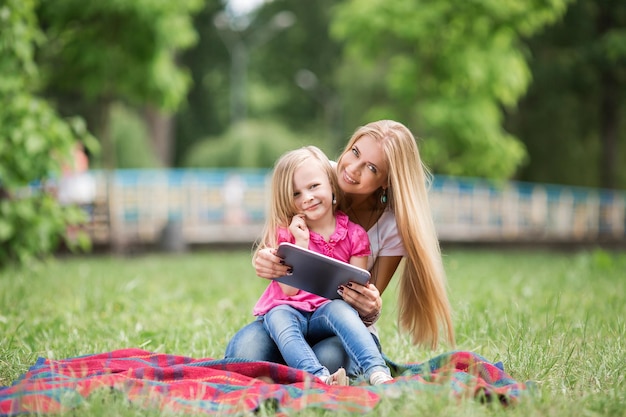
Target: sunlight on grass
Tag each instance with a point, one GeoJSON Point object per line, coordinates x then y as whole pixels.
{"type": "Point", "coordinates": [557, 319]}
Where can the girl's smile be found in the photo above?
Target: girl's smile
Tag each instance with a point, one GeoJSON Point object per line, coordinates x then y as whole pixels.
{"type": "Point", "coordinates": [312, 194]}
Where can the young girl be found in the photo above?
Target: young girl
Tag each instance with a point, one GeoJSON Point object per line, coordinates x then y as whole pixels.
{"type": "Point", "coordinates": [303, 202]}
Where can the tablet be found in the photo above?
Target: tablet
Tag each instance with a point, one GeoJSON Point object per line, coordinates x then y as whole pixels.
{"type": "Point", "coordinates": [316, 273]}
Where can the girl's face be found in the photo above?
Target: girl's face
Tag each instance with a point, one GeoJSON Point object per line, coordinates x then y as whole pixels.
{"type": "Point", "coordinates": [312, 192]}
{"type": "Point", "coordinates": [363, 169]}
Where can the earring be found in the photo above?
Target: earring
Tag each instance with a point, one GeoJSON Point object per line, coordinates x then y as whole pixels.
{"type": "Point", "coordinates": [334, 200]}
{"type": "Point", "coordinates": [383, 196]}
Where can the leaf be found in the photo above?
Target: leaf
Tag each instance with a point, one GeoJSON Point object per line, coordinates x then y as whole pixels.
{"type": "Point", "coordinates": [6, 230]}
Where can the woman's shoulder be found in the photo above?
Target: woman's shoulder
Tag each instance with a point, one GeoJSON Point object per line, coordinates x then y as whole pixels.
{"type": "Point", "coordinates": [387, 220]}
{"type": "Point", "coordinates": [386, 232]}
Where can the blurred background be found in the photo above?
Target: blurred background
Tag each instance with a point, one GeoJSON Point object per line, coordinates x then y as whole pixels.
{"type": "Point", "coordinates": [159, 120]}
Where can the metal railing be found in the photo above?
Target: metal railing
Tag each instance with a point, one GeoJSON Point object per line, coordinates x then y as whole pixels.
{"type": "Point", "coordinates": [229, 206]}
{"type": "Point", "coordinates": [477, 210]}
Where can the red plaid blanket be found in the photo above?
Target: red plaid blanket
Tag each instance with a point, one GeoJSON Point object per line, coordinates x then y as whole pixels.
{"type": "Point", "coordinates": [227, 386]}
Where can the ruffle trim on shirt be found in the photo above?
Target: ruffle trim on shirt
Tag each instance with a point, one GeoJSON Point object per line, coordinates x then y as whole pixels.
{"type": "Point", "coordinates": [341, 230]}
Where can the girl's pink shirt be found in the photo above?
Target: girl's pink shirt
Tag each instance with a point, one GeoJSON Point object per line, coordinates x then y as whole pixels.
{"type": "Point", "coordinates": [348, 240]}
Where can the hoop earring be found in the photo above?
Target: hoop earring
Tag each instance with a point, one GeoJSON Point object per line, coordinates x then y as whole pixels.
{"type": "Point", "coordinates": [383, 196]}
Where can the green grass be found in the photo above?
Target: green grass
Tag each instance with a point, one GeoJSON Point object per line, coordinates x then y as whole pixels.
{"type": "Point", "coordinates": [558, 319]}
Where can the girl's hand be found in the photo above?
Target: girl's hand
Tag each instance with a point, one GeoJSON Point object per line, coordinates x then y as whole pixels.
{"type": "Point", "coordinates": [299, 230]}
{"type": "Point", "coordinates": [365, 299]}
{"type": "Point", "coordinates": [268, 265]}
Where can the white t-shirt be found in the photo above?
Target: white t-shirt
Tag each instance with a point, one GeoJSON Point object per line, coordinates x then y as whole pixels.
{"type": "Point", "coordinates": [384, 238]}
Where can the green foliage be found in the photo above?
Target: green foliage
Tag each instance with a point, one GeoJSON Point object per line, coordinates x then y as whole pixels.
{"type": "Point", "coordinates": [579, 79]}
{"type": "Point", "coordinates": [206, 110]}
{"type": "Point", "coordinates": [34, 143]}
{"type": "Point", "coordinates": [121, 48]}
{"type": "Point", "coordinates": [99, 53]}
{"type": "Point", "coordinates": [273, 90]}
{"type": "Point", "coordinates": [309, 103]}
{"type": "Point", "coordinates": [249, 144]}
{"type": "Point", "coordinates": [447, 69]}
{"type": "Point", "coordinates": [32, 227]}
{"type": "Point", "coordinates": [19, 35]}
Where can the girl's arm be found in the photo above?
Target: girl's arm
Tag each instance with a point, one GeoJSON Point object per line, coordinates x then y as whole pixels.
{"type": "Point", "coordinates": [359, 261]}
{"type": "Point", "coordinates": [300, 232]}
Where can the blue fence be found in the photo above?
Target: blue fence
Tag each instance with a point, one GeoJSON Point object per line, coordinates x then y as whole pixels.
{"type": "Point", "coordinates": [214, 206]}
{"type": "Point", "coordinates": [478, 210]}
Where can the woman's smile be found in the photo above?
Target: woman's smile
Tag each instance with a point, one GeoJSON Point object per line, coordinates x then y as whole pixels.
{"type": "Point", "coordinates": [347, 178]}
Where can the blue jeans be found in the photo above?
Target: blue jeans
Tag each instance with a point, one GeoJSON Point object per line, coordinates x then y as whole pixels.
{"type": "Point", "coordinates": [253, 343]}
{"type": "Point", "coordinates": [290, 329]}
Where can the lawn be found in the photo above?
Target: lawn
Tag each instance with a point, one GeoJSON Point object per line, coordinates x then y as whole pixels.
{"type": "Point", "coordinates": [556, 318]}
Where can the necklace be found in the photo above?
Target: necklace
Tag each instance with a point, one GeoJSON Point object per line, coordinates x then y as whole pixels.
{"type": "Point", "coordinates": [374, 214]}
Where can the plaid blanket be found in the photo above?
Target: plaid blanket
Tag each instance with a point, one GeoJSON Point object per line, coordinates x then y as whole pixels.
{"type": "Point", "coordinates": [234, 387]}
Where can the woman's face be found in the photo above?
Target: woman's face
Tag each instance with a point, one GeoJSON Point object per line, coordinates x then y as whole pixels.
{"type": "Point", "coordinates": [363, 169]}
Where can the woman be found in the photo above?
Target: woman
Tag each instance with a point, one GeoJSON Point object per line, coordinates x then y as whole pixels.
{"type": "Point", "coordinates": [385, 185]}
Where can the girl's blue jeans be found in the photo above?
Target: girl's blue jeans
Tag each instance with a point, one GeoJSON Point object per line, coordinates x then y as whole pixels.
{"type": "Point", "coordinates": [308, 340]}
{"type": "Point", "coordinates": [253, 343]}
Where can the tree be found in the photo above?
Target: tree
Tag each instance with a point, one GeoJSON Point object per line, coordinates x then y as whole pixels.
{"type": "Point", "coordinates": [205, 111]}
{"type": "Point", "coordinates": [447, 69]}
{"type": "Point", "coordinates": [290, 77]}
{"type": "Point", "coordinates": [570, 120]}
{"type": "Point", "coordinates": [34, 143]}
{"type": "Point", "coordinates": [100, 52]}
{"type": "Point", "coordinates": [300, 67]}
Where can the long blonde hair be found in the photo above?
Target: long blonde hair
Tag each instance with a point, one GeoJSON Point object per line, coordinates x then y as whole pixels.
{"type": "Point", "coordinates": [282, 207]}
{"type": "Point", "coordinates": [422, 299]}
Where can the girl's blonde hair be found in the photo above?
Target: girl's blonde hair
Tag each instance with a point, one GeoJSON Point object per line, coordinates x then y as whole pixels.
{"type": "Point", "coordinates": [282, 207]}
{"type": "Point", "coordinates": [422, 298]}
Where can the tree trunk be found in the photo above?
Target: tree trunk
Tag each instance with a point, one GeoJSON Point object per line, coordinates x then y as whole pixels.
{"type": "Point", "coordinates": [160, 129]}
{"type": "Point", "coordinates": [102, 128]}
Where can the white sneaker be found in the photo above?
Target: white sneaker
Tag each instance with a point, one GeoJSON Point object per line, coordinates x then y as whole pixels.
{"type": "Point", "coordinates": [380, 377]}
{"type": "Point", "coordinates": [338, 378]}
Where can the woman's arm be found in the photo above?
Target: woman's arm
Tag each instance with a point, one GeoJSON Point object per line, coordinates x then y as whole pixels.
{"type": "Point", "coordinates": [383, 270]}
{"type": "Point", "coordinates": [268, 265]}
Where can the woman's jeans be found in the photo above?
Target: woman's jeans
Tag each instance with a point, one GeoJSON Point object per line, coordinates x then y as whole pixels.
{"type": "Point", "coordinates": [254, 343]}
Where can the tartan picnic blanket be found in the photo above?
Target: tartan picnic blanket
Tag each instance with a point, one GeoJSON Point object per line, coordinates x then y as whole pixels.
{"type": "Point", "coordinates": [236, 386]}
